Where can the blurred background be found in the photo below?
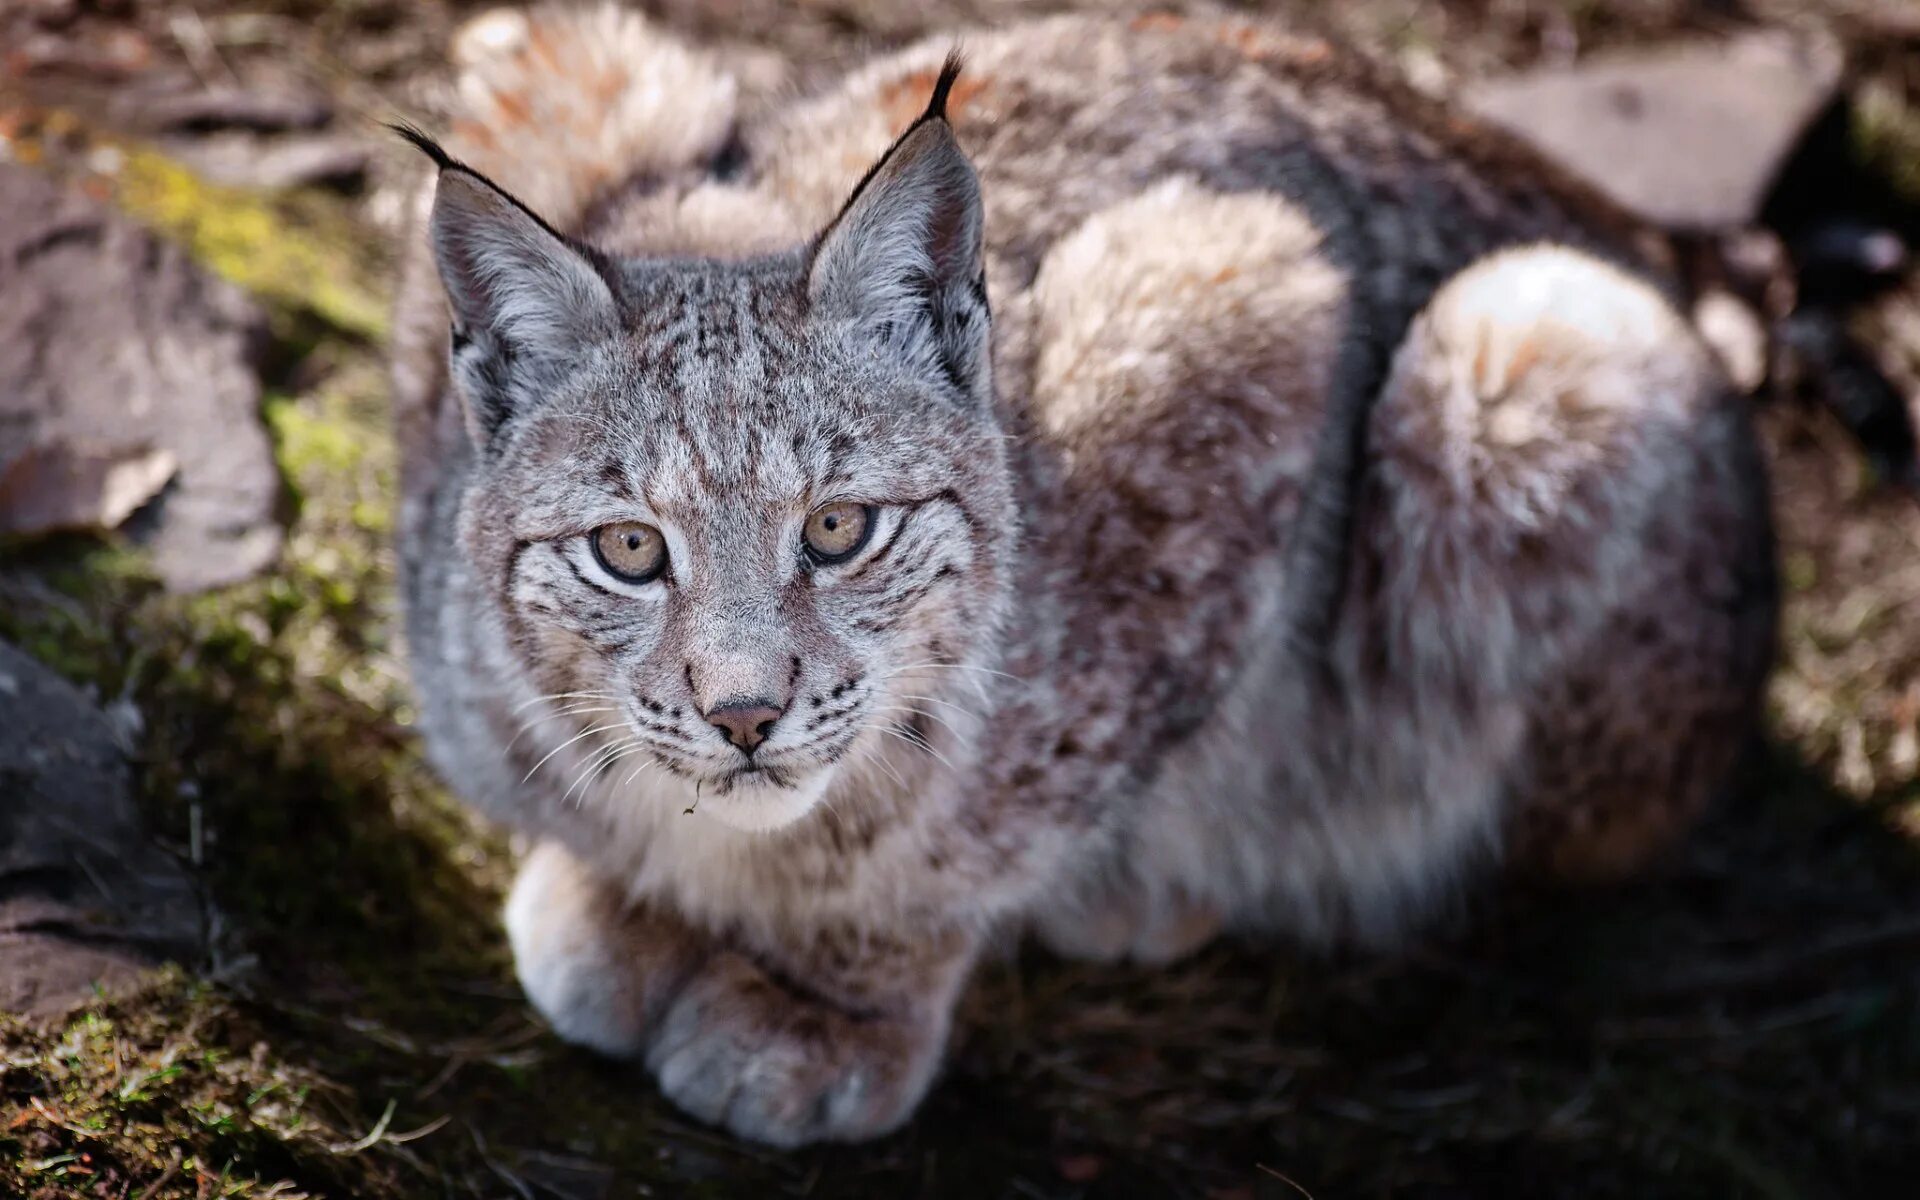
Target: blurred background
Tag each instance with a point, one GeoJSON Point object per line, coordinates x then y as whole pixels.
{"type": "Point", "coordinates": [205, 756]}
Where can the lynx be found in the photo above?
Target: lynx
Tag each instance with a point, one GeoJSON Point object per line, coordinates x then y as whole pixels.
{"type": "Point", "coordinates": [1158, 478]}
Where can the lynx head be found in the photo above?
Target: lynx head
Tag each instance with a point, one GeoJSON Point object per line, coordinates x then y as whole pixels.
{"type": "Point", "coordinates": [750, 521]}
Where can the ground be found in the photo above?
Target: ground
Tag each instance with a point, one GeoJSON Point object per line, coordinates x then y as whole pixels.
{"type": "Point", "coordinates": [1745, 1021]}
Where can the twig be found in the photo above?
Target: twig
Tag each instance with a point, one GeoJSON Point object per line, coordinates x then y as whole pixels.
{"type": "Point", "coordinates": [514, 1181]}
{"type": "Point", "coordinates": [54, 1117]}
{"type": "Point", "coordinates": [1758, 972]}
{"type": "Point", "coordinates": [414, 1135]}
{"type": "Point", "coordinates": [1283, 1179]}
{"type": "Point", "coordinates": [379, 1131]}
{"type": "Point", "coordinates": [166, 1177]}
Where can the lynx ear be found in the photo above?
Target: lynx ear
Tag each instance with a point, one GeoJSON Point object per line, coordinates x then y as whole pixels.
{"type": "Point", "coordinates": [525, 301]}
{"type": "Point", "coordinates": [905, 259]}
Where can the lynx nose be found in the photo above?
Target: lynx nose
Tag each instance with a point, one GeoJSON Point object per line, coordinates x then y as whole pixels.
{"type": "Point", "coordinates": [743, 721]}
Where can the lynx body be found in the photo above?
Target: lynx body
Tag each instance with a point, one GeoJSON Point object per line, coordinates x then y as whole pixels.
{"type": "Point", "coordinates": [1166, 479]}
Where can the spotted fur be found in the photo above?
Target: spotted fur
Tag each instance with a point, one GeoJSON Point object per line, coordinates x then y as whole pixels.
{"type": "Point", "coordinates": [1289, 501]}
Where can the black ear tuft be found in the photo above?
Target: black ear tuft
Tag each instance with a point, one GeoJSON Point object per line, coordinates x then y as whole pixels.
{"type": "Point", "coordinates": [942, 86]}
{"type": "Point", "coordinates": [904, 260]}
{"type": "Point", "coordinates": [419, 140]}
{"type": "Point", "coordinates": [525, 300]}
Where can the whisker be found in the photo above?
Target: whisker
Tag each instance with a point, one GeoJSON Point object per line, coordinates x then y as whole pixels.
{"type": "Point", "coordinates": [626, 745]}
{"type": "Point", "coordinates": [570, 711]}
{"type": "Point", "coordinates": [528, 726]}
{"type": "Point", "coordinates": [599, 755]}
{"type": "Point", "coordinates": [570, 741]}
{"type": "Point", "coordinates": [916, 712]}
{"type": "Point", "coordinates": [875, 758]}
{"type": "Point", "coordinates": [877, 755]}
{"type": "Point", "coordinates": [564, 696]}
{"type": "Point", "coordinates": [918, 743]}
{"type": "Point", "coordinates": [580, 706]}
{"type": "Point", "coordinates": [980, 677]}
{"type": "Point", "coordinates": [946, 666]}
{"type": "Point", "coordinates": [959, 708]}
{"type": "Point", "coordinates": [832, 811]}
{"type": "Point", "coordinates": [649, 761]}
{"type": "Point", "coordinates": [623, 751]}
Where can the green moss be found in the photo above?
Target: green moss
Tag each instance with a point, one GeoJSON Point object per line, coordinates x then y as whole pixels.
{"type": "Point", "coordinates": [1887, 136]}
{"type": "Point", "coordinates": [174, 1091]}
{"type": "Point", "coordinates": [306, 441]}
{"type": "Point", "coordinates": [1799, 571]}
{"type": "Point", "coordinates": [295, 251]}
{"type": "Point", "coordinates": [305, 253]}
{"type": "Point", "coordinates": [275, 713]}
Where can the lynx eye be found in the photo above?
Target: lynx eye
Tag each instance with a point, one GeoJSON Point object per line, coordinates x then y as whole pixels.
{"type": "Point", "coordinates": [630, 551]}
{"type": "Point", "coordinates": [835, 532]}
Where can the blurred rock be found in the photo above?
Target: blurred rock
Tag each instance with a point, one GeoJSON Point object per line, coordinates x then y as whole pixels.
{"type": "Point", "coordinates": [49, 13]}
{"type": "Point", "coordinates": [124, 366]}
{"type": "Point", "coordinates": [111, 55]}
{"type": "Point", "coordinates": [86, 900]}
{"type": "Point", "coordinates": [1691, 138]}
{"type": "Point", "coordinates": [260, 110]}
{"type": "Point", "coordinates": [64, 486]}
{"type": "Point", "coordinates": [293, 160]}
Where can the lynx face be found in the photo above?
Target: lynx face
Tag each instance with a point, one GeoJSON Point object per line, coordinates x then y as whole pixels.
{"type": "Point", "coordinates": [746, 523]}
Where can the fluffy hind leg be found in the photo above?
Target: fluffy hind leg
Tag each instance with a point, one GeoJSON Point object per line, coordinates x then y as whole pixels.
{"type": "Point", "coordinates": [1127, 924]}
{"type": "Point", "coordinates": [1568, 520]}
{"type": "Point", "coordinates": [1634, 740]}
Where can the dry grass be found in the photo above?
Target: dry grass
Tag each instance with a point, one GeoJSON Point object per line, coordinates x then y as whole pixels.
{"type": "Point", "coordinates": [1746, 1022]}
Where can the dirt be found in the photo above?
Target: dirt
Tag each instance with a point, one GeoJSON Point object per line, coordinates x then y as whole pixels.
{"type": "Point", "coordinates": [1745, 1021]}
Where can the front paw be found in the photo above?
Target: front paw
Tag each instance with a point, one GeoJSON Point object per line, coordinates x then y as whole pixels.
{"type": "Point", "coordinates": [600, 970]}
{"type": "Point", "coordinates": [740, 1050]}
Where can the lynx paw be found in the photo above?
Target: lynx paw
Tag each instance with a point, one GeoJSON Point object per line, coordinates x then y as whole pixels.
{"type": "Point", "coordinates": [1129, 928]}
{"type": "Point", "coordinates": [597, 970]}
{"type": "Point", "coordinates": [739, 1050]}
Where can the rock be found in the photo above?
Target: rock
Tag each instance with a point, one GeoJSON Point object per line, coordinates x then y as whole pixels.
{"type": "Point", "coordinates": [86, 900]}
{"type": "Point", "coordinates": [295, 160]}
{"type": "Point", "coordinates": [114, 54]}
{"type": "Point", "coordinates": [123, 366]}
{"type": "Point", "coordinates": [62, 486]}
{"type": "Point", "coordinates": [52, 14]}
{"type": "Point", "coordinates": [1689, 137]}
{"type": "Point", "coordinates": [258, 109]}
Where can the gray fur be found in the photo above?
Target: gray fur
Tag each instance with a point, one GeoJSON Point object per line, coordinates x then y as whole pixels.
{"type": "Point", "coordinates": [1336, 508]}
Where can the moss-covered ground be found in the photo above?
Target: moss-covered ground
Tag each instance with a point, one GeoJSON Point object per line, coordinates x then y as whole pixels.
{"type": "Point", "coordinates": [1743, 1022]}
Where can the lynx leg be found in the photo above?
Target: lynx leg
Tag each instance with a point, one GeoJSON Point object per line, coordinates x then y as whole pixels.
{"type": "Point", "coordinates": [1570, 521]}
{"type": "Point", "coordinates": [833, 1038]}
{"type": "Point", "coordinates": [1631, 744]}
{"type": "Point", "coordinates": [1122, 924]}
{"type": "Point", "coordinates": [829, 1036]}
{"type": "Point", "coordinates": [599, 970]}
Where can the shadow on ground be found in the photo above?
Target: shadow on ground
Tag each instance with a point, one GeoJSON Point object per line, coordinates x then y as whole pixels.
{"type": "Point", "coordinates": [1744, 1022]}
